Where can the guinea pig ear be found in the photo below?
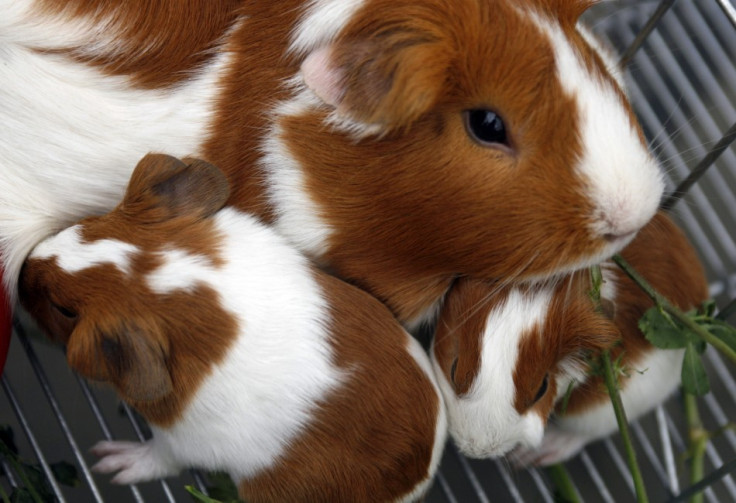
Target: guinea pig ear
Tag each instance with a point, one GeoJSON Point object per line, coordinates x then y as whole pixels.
{"type": "Point", "coordinates": [131, 360]}
{"type": "Point", "coordinates": [173, 187]}
{"type": "Point", "coordinates": [200, 189]}
{"type": "Point", "coordinates": [388, 80]}
{"type": "Point", "coordinates": [570, 10]}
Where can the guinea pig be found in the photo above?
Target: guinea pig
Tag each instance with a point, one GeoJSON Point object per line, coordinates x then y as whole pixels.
{"type": "Point", "coordinates": [242, 355]}
{"type": "Point", "coordinates": [506, 355]}
{"type": "Point", "coordinates": [398, 143]}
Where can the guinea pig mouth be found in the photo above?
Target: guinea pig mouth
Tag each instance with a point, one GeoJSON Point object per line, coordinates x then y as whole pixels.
{"type": "Point", "coordinates": [480, 450]}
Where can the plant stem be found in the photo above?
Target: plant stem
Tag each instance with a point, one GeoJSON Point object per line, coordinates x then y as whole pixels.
{"type": "Point", "coordinates": [562, 482]}
{"type": "Point", "coordinates": [199, 496]}
{"type": "Point", "coordinates": [672, 310]}
{"type": "Point", "coordinates": [698, 440]}
{"type": "Point", "coordinates": [4, 495]}
{"type": "Point", "coordinates": [623, 426]}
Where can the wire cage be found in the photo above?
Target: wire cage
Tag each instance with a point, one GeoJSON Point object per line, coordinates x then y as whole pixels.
{"type": "Point", "coordinates": [681, 73]}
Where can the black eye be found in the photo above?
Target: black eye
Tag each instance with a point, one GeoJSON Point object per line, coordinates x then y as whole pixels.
{"type": "Point", "coordinates": [542, 389]}
{"type": "Point", "coordinates": [453, 369]}
{"type": "Point", "coordinates": [66, 313]}
{"type": "Point", "coordinates": [486, 127]}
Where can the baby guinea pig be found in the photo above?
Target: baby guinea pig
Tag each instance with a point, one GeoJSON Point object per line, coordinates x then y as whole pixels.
{"type": "Point", "coordinates": [505, 356]}
{"type": "Point", "coordinates": [242, 356]}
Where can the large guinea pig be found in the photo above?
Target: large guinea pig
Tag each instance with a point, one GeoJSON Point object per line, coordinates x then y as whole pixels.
{"type": "Point", "coordinates": [401, 143]}
{"type": "Point", "coordinates": [505, 356]}
{"type": "Point", "coordinates": [242, 355]}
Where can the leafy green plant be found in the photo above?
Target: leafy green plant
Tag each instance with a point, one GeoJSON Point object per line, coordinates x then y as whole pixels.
{"type": "Point", "coordinates": [220, 488]}
{"type": "Point", "coordinates": [35, 487]}
{"type": "Point", "coordinates": [668, 327]}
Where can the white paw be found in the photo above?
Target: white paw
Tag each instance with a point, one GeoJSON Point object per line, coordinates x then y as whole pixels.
{"type": "Point", "coordinates": [557, 446]}
{"type": "Point", "coordinates": [134, 462]}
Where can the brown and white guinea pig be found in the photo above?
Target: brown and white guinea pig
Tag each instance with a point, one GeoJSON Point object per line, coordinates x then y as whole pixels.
{"type": "Point", "coordinates": [506, 356]}
{"type": "Point", "coordinates": [241, 354]}
{"type": "Point", "coordinates": [401, 143]}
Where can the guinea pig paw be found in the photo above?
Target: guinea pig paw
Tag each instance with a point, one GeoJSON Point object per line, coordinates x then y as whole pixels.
{"type": "Point", "coordinates": [556, 446]}
{"type": "Point", "coordinates": [134, 462]}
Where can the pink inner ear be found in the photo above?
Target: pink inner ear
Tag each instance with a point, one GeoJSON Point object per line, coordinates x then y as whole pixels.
{"type": "Point", "coordinates": [322, 78]}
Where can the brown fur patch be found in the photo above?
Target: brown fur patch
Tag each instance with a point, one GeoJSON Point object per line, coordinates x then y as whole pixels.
{"type": "Point", "coordinates": [153, 348]}
{"type": "Point", "coordinates": [156, 44]}
{"type": "Point", "coordinates": [424, 203]}
{"type": "Point", "coordinates": [430, 201]}
{"type": "Point", "coordinates": [571, 332]}
{"type": "Point", "coordinates": [663, 255]}
{"type": "Point", "coordinates": [460, 329]}
{"type": "Point", "coordinates": [193, 341]}
{"type": "Point", "coordinates": [372, 439]}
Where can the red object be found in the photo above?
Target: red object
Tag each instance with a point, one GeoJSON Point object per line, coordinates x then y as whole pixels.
{"type": "Point", "coordinates": [6, 317]}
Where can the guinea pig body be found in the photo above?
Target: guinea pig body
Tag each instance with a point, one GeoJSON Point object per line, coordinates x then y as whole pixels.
{"type": "Point", "coordinates": [506, 356]}
{"type": "Point", "coordinates": [242, 356]}
{"type": "Point", "coordinates": [400, 143]}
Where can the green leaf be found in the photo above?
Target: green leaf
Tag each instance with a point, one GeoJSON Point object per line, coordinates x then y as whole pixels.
{"type": "Point", "coordinates": [198, 496]}
{"type": "Point", "coordinates": [66, 473]}
{"type": "Point", "coordinates": [708, 308]}
{"type": "Point", "coordinates": [222, 487]}
{"type": "Point", "coordinates": [663, 332]}
{"type": "Point", "coordinates": [21, 495]}
{"type": "Point", "coordinates": [37, 479]}
{"type": "Point", "coordinates": [724, 331]}
{"type": "Point", "coordinates": [694, 378]}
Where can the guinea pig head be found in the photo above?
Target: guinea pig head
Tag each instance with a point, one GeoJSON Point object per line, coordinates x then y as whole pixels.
{"type": "Point", "coordinates": [504, 356]}
{"type": "Point", "coordinates": [85, 286]}
{"type": "Point", "coordinates": [474, 138]}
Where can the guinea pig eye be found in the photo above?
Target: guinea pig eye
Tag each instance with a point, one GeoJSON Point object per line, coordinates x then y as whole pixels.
{"type": "Point", "coordinates": [66, 313]}
{"type": "Point", "coordinates": [453, 369]}
{"type": "Point", "coordinates": [542, 389]}
{"type": "Point", "coordinates": [486, 127]}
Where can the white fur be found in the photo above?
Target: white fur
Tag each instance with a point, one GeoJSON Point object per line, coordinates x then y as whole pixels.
{"type": "Point", "coordinates": [297, 214]}
{"type": "Point", "coordinates": [74, 255]}
{"type": "Point", "coordinates": [180, 271]}
{"type": "Point", "coordinates": [265, 392]}
{"type": "Point", "coordinates": [651, 382]}
{"type": "Point", "coordinates": [606, 53]}
{"type": "Point", "coordinates": [257, 401]}
{"type": "Point", "coordinates": [440, 437]}
{"type": "Point", "coordinates": [322, 23]}
{"type": "Point", "coordinates": [655, 379]}
{"type": "Point", "coordinates": [484, 422]}
{"type": "Point", "coordinates": [622, 178]}
{"type": "Point", "coordinates": [70, 136]}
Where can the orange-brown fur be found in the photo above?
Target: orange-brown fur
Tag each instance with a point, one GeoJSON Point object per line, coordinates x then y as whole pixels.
{"type": "Point", "coordinates": [412, 68]}
{"type": "Point", "coordinates": [572, 329]}
{"type": "Point", "coordinates": [464, 312]}
{"type": "Point", "coordinates": [372, 439]}
{"type": "Point", "coordinates": [347, 443]}
{"type": "Point", "coordinates": [666, 259]}
{"type": "Point", "coordinates": [141, 219]}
